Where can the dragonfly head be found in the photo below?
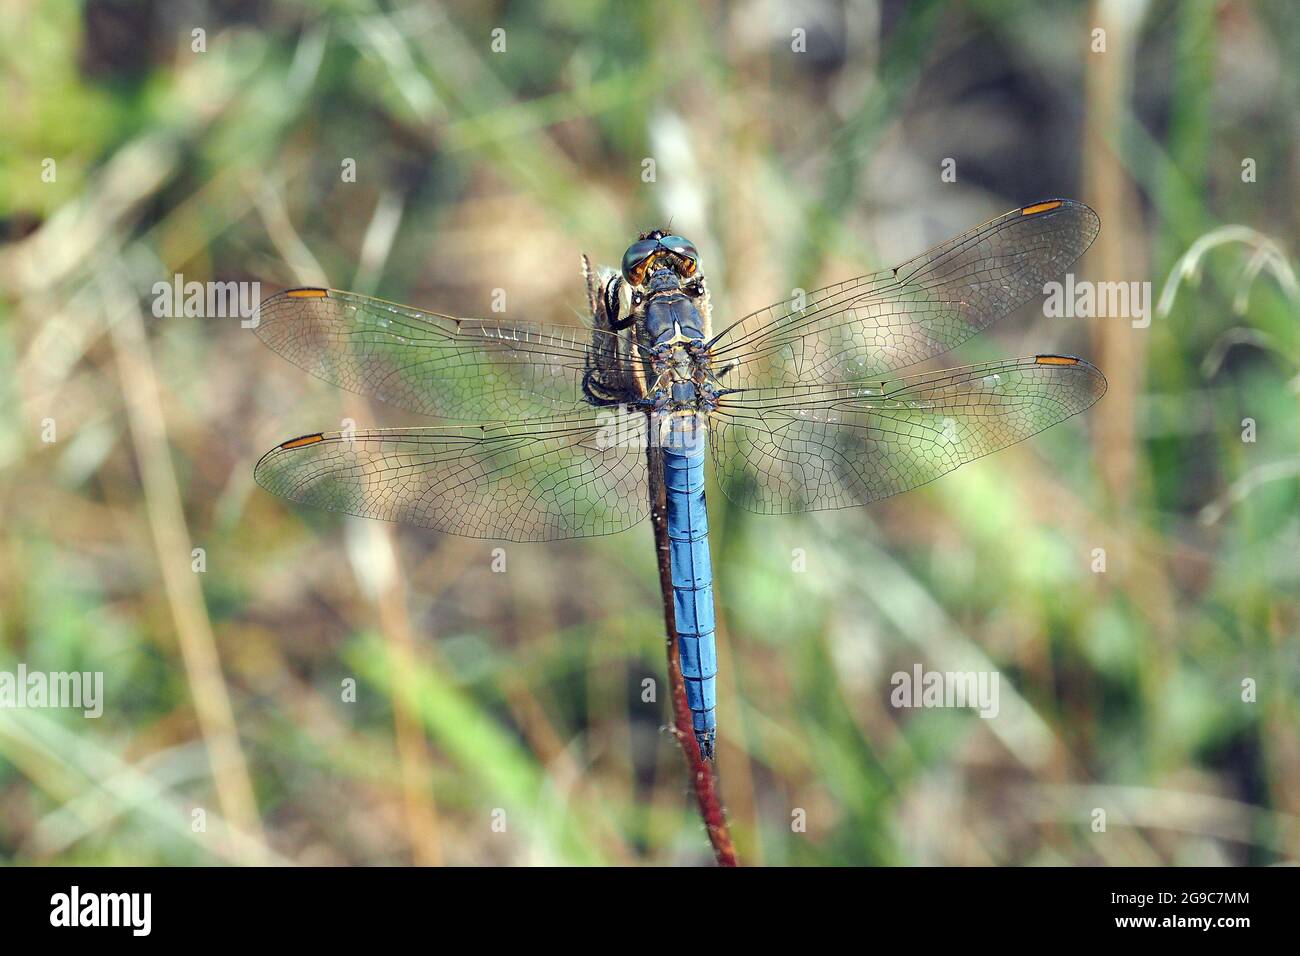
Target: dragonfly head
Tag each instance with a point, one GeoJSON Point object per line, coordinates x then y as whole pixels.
{"type": "Point", "coordinates": [659, 252]}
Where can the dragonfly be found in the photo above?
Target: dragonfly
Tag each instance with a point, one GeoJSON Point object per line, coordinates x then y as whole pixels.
{"type": "Point", "coordinates": [825, 400]}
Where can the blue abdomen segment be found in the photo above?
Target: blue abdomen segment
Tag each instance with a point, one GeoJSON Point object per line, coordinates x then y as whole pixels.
{"type": "Point", "coordinates": [688, 534]}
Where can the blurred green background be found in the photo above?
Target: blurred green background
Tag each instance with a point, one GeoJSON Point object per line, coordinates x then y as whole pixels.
{"type": "Point", "coordinates": [499, 717]}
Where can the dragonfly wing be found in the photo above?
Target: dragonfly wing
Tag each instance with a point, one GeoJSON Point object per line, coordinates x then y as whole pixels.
{"type": "Point", "coordinates": [437, 365]}
{"type": "Point", "coordinates": [811, 448]}
{"type": "Point", "coordinates": [567, 477]}
{"type": "Point", "coordinates": [870, 327]}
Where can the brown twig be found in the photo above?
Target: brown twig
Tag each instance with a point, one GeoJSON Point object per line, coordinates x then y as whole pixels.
{"type": "Point", "coordinates": [702, 779]}
{"type": "Point", "coordinates": [166, 514]}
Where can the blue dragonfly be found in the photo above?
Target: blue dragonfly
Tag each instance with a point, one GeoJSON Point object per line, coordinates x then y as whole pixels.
{"type": "Point", "coordinates": [823, 401]}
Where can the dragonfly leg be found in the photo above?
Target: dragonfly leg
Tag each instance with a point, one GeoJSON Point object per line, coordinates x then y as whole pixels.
{"type": "Point", "coordinates": [597, 393]}
{"type": "Point", "coordinates": [589, 390]}
{"type": "Point", "coordinates": [614, 305]}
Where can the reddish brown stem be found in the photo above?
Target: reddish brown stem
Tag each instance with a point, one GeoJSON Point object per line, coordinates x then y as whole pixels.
{"type": "Point", "coordinates": [703, 781]}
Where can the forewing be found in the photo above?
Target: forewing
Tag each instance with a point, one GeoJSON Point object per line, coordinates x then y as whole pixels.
{"type": "Point", "coordinates": [811, 448]}
{"type": "Point", "coordinates": [432, 364]}
{"type": "Point", "coordinates": [873, 326]}
{"type": "Point", "coordinates": [571, 476]}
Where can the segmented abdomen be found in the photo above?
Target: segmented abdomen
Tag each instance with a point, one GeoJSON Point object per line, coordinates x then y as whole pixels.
{"type": "Point", "coordinates": [692, 572]}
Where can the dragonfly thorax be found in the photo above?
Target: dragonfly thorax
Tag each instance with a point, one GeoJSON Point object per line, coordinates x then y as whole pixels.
{"type": "Point", "coordinates": [683, 380]}
{"type": "Point", "coordinates": [670, 316]}
{"type": "Point", "coordinates": [663, 279]}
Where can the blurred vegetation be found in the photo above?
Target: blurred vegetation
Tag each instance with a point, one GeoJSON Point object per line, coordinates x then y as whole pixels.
{"type": "Point", "coordinates": [484, 697]}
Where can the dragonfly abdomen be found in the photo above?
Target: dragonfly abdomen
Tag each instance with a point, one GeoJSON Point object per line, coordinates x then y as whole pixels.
{"type": "Point", "coordinates": [692, 574]}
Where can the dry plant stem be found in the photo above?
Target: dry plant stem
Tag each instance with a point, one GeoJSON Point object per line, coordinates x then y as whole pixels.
{"type": "Point", "coordinates": [702, 779]}
{"type": "Point", "coordinates": [172, 544]}
{"type": "Point", "coordinates": [412, 749]}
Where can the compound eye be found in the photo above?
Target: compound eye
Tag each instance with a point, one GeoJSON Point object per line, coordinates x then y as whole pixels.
{"type": "Point", "coordinates": [684, 249]}
{"type": "Point", "coordinates": [635, 259]}
{"type": "Point", "coordinates": [680, 245]}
